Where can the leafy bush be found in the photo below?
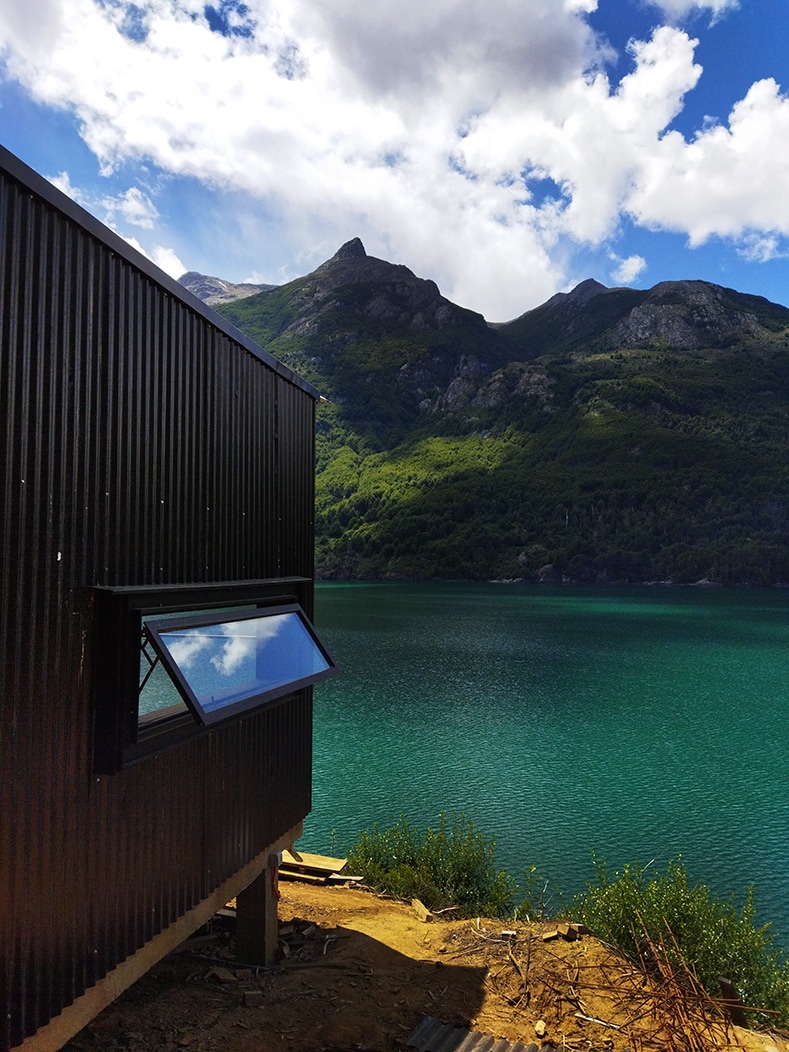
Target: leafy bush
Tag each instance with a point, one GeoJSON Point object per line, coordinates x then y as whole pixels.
{"type": "Point", "coordinates": [453, 865]}
{"type": "Point", "coordinates": [690, 926]}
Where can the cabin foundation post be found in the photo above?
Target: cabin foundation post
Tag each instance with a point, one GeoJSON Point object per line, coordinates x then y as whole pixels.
{"type": "Point", "coordinates": [257, 923]}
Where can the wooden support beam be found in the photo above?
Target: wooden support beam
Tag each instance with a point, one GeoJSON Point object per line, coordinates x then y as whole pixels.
{"type": "Point", "coordinates": [731, 1002]}
{"type": "Point", "coordinates": [257, 925]}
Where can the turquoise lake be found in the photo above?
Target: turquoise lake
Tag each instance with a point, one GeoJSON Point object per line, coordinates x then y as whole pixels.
{"type": "Point", "coordinates": [638, 723]}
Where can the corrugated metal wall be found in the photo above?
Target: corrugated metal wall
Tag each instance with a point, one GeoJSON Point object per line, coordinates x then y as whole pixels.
{"type": "Point", "coordinates": [142, 443]}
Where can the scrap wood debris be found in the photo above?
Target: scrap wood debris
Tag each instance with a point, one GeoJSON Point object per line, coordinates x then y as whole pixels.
{"type": "Point", "coordinates": [652, 1004]}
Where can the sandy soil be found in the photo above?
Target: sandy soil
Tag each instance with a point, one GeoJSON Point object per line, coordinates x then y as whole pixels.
{"type": "Point", "coordinates": [358, 972]}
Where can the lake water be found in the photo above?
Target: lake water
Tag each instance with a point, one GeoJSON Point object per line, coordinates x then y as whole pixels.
{"type": "Point", "coordinates": [638, 723]}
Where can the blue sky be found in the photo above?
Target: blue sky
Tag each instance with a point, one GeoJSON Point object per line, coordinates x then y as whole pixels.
{"type": "Point", "coordinates": [508, 149]}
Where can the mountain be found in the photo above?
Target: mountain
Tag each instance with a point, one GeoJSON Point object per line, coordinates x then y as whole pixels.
{"type": "Point", "coordinates": [682, 315]}
{"type": "Point", "coordinates": [214, 291]}
{"type": "Point", "coordinates": [377, 340]}
{"type": "Point", "coordinates": [608, 435]}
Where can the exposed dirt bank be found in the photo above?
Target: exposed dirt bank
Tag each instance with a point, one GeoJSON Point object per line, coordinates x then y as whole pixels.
{"type": "Point", "coordinates": [360, 972]}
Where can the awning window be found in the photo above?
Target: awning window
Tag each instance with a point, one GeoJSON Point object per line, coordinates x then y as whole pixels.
{"type": "Point", "coordinates": [224, 665]}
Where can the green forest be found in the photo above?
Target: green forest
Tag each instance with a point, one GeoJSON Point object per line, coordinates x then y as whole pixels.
{"type": "Point", "coordinates": [557, 448]}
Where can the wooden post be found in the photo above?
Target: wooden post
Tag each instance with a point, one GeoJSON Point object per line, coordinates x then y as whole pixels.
{"type": "Point", "coordinates": [731, 1002]}
{"type": "Point", "coordinates": [257, 924]}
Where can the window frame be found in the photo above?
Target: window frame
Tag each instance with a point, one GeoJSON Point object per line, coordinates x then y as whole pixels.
{"type": "Point", "coordinates": [121, 737]}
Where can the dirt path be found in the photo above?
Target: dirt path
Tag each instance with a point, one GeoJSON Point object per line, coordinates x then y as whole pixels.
{"type": "Point", "coordinates": [359, 973]}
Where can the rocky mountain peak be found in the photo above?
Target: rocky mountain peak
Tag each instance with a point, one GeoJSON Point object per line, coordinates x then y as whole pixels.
{"type": "Point", "coordinates": [585, 291]}
{"type": "Point", "coordinates": [687, 314]}
{"type": "Point", "coordinates": [353, 249]}
{"type": "Point", "coordinates": [383, 293]}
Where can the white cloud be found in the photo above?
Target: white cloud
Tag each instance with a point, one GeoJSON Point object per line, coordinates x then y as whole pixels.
{"type": "Point", "coordinates": [760, 248]}
{"type": "Point", "coordinates": [63, 183]}
{"type": "Point", "coordinates": [240, 647]}
{"type": "Point", "coordinates": [432, 130]}
{"type": "Point", "coordinates": [726, 181]}
{"type": "Point", "coordinates": [186, 649]}
{"type": "Point", "coordinates": [133, 206]}
{"type": "Point", "coordinates": [168, 261]}
{"type": "Point", "coordinates": [628, 270]}
{"type": "Point", "coordinates": [164, 258]}
{"type": "Point", "coordinates": [681, 9]}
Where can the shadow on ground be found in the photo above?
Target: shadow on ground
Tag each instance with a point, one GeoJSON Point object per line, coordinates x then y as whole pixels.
{"type": "Point", "coordinates": [337, 988]}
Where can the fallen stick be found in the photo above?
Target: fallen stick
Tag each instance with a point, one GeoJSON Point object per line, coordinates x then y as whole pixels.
{"type": "Point", "coordinates": [594, 1019]}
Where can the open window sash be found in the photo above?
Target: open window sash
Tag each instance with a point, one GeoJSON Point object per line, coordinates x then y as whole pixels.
{"type": "Point", "coordinates": [224, 665]}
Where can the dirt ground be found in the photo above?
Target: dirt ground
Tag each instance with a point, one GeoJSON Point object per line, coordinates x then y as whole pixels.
{"type": "Point", "coordinates": [358, 972]}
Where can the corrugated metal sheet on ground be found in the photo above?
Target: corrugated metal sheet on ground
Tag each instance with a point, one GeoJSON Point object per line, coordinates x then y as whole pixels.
{"type": "Point", "coordinates": [434, 1036]}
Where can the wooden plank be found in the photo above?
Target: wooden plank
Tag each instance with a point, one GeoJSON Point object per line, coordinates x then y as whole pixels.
{"type": "Point", "coordinates": [567, 931]}
{"type": "Point", "coordinates": [421, 910]}
{"type": "Point", "coordinates": [305, 878]}
{"type": "Point", "coordinates": [318, 865]}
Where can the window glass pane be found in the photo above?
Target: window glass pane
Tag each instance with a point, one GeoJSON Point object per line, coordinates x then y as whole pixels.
{"type": "Point", "coordinates": [159, 696]}
{"type": "Point", "coordinates": [159, 692]}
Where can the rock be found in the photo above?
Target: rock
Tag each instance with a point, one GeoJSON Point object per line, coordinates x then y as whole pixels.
{"type": "Point", "coordinates": [353, 249]}
{"type": "Point", "coordinates": [567, 931]}
{"type": "Point", "coordinates": [540, 1028]}
{"type": "Point", "coordinates": [222, 975]}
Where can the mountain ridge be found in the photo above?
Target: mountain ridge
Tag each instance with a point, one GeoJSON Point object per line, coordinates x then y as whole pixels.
{"type": "Point", "coordinates": [606, 435]}
{"type": "Point", "coordinates": [213, 291]}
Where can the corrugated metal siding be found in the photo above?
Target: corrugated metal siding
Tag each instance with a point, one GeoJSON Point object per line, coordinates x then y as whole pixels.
{"type": "Point", "coordinates": [431, 1035]}
{"type": "Point", "coordinates": [141, 444]}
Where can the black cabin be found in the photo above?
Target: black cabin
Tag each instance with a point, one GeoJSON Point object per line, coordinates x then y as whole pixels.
{"type": "Point", "coordinates": [157, 483]}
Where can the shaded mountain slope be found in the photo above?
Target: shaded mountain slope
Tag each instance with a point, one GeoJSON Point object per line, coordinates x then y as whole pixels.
{"type": "Point", "coordinates": [378, 341]}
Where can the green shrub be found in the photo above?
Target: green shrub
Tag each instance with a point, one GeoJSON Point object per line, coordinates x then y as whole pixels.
{"type": "Point", "coordinates": [690, 926]}
{"type": "Point", "coordinates": [453, 865]}
{"type": "Point", "coordinates": [533, 897]}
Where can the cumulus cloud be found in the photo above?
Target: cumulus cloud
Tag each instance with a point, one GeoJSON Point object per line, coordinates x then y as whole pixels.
{"type": "Point", "coordinates": [132, 206]}
{"type": "Point", "coordinates": [724, 181]}
{"type": "Point", "coordinates": [628, 270]}
{"type": "Point", "coordinates": [167, 260]}
{"type": "Point", "coordinates": [164, 258]}
{"type": "Point", "coordinates": [473, 139]}
{"type": "Point", "coordinates": [681, 9]}
{"type": "Point", "coordinates": [63, 183]}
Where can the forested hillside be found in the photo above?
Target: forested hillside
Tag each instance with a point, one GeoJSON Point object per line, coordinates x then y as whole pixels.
{"type": "Point", "coordinates": [608, 435]}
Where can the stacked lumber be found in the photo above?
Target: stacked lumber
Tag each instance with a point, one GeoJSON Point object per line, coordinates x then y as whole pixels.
{"type": "Point", "coordinates": [313, 869]}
